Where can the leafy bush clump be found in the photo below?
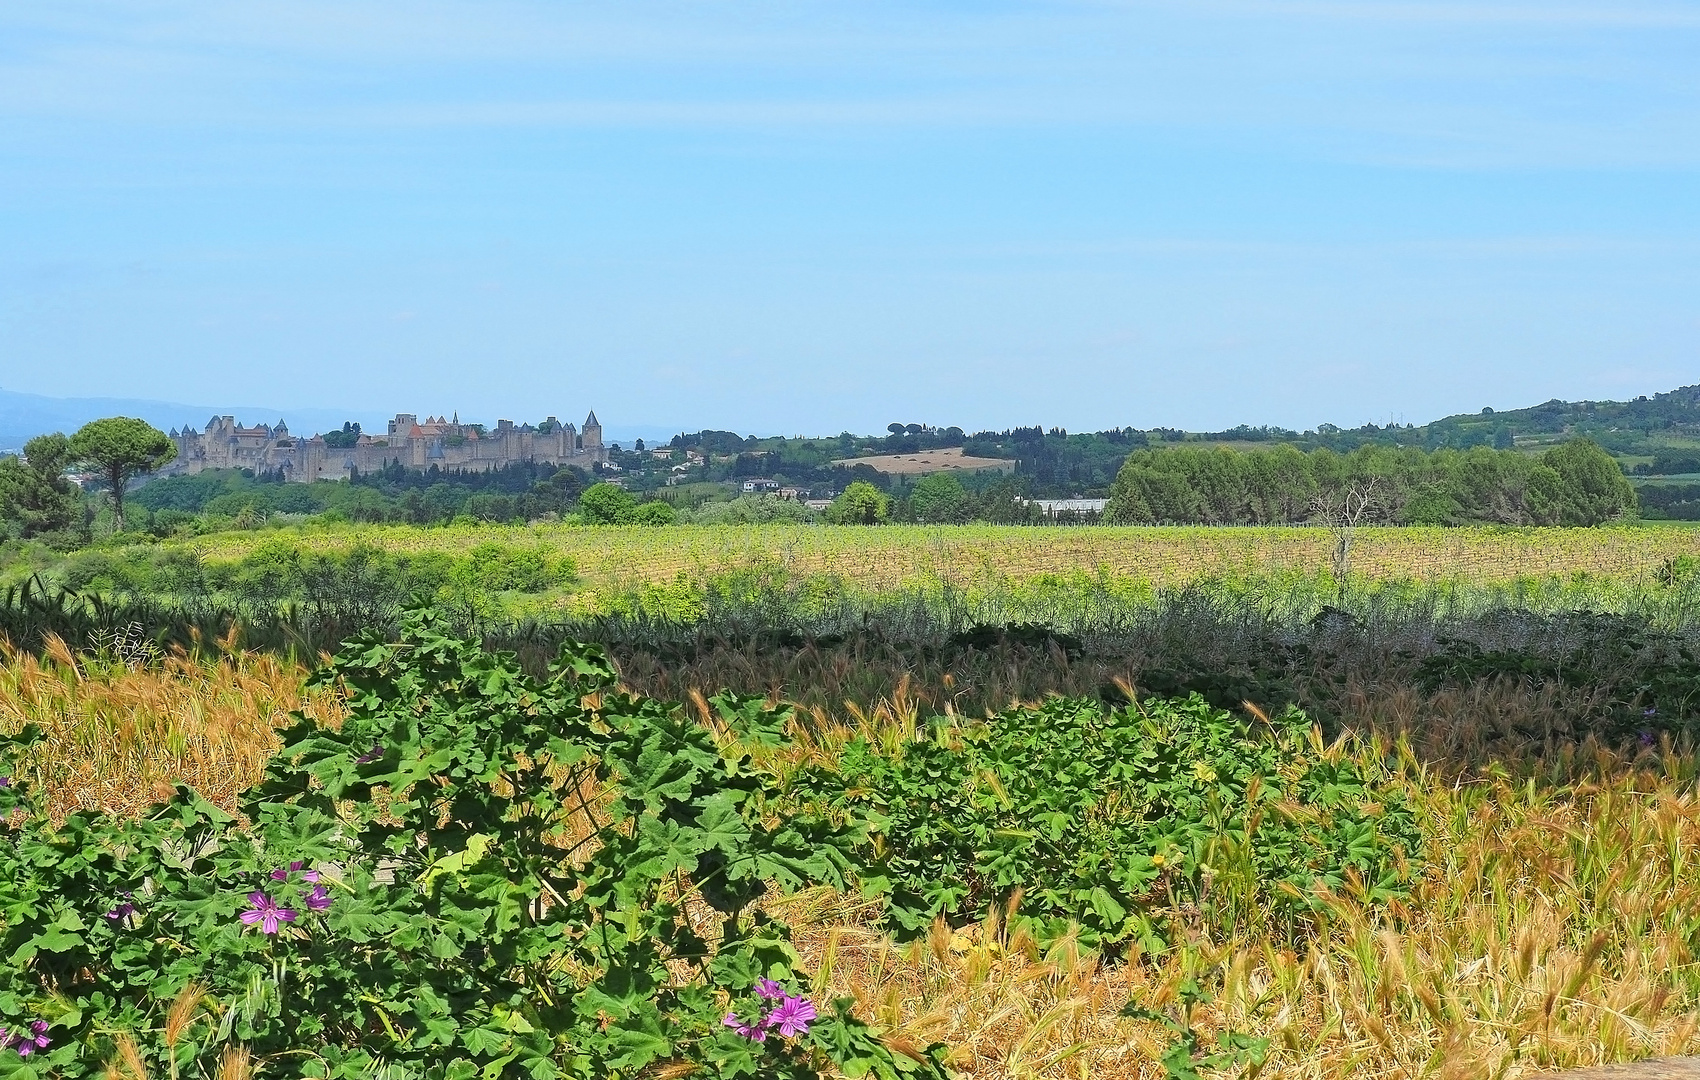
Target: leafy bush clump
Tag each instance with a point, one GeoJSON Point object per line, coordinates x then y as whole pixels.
{"type": "Point", "coordinates": [479, 875]}
{"type": "Point", "coordinates": [1118, 818]}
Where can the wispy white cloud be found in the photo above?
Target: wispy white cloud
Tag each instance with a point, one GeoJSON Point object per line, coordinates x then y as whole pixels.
{"type": "Point", "coordinates": [1398, 82]}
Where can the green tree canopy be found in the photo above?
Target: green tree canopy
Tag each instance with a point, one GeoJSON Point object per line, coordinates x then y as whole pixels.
{"type": "Point", "coordinates": [1592, 489]}
{"type": "Point", "coordinates": [1576, 483]}
{"type": "Point", "coordinates": [347, 437]}
{"type": "Point", "coordinates": [606, 504]}
{"type": "Point", "coordinates": [861, 504]}
{"type": "Point", "coordinates": [35, 497]}
{"type": "Point", "coordinates": [939, 499]}
{"type": "Point", "coordinates": [654, 512]}
{"type": "Point", "coordinates": [121, 448]}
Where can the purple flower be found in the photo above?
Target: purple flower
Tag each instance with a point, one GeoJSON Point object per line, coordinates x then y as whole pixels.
{"type": "Point", "coordinates": [792, 1016]}
{"type": "Point", "coordinates": [756, 1032]}
{"type": "Point", "coordinates": [769, 989]}
{"type": "Point", "coordinates": [5, 781]}
{"type": "Point", "coordinates": [122, 911]}
{"type": "Point", "coordinates": [1649, 712]}
{"type": "Point", "coordinates": [1645, 738]}
{"type": "Point", "coordinates": [36, 1040]}
{"type": "Point", "coordinates": [373, 754]}
{"type": "Point", "coordinates": [264, 910]}
{"type": "Point", "coordinates": [319, 899]}
{"type": "Point", "coordinates": [307, 875]}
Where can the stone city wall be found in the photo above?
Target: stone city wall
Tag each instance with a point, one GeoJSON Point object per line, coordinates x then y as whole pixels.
{"type": "Point", "coordinates": [447, 444]}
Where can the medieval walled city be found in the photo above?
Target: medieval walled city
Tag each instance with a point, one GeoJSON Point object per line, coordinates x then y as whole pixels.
{"type": "Point", "coordinates": [414, 444]}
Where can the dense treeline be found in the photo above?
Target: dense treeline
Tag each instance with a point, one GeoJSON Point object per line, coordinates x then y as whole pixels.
{"type": "Point", "coordinates": [1672, 463]}
{"type": "Point", "coordinates": [1575, 483]}
{"type": "Point", "coordinates": [1049, 463]}
{"type": "Point", "coordinates": [1160, 476]}
{"type": "Point", "coordinates": [1670, 502]}
{"type": "Point", "coordinates": [524, 491]}
{"type": "Point", "coordinates": [1055, 463]}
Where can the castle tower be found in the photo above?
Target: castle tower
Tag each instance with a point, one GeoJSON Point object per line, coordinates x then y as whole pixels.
{"type": "Point", "coordinates": [592, 432]}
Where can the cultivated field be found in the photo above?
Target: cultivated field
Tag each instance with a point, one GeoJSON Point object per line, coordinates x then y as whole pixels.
{"type": "Point", "coordinates": [881, 557]}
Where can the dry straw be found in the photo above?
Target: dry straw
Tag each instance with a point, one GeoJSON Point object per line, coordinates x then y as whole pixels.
{"type": "Point", "coordinates": [118, 738]}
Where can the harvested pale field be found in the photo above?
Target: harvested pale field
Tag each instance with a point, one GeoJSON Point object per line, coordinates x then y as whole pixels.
{"type": "Point", "coordinates": [929, 461]}
{"type": "Point", "coordinates": [878, 557]}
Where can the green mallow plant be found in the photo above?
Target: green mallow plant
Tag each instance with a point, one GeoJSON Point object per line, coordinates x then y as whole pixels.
{"type": "Point", "coordinates": [479, 875]}
{"type": "Point", "coordinates": [1113, 823]}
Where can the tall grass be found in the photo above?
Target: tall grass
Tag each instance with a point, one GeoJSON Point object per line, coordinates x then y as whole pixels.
{"type": "Point", "coordinates": [120, 731]}
{"type": "Point", "coordinates": [1556, 924]}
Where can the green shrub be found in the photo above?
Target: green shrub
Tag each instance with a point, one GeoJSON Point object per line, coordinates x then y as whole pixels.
{"type": "Point", "coordinates": [500, 568]}
{"type": "Point", "coordinates": [654, 512]}
{"type": "Point", "coordinates": [1113, 817]}
{"type": "Point", "coordinates": [860, 504]}
{"type": "Point", "coordinates": [751, 510]}
{"type": "Point", "coordinates": [606, 504]}
{"type": "Point", "coordinates": [424, 892]}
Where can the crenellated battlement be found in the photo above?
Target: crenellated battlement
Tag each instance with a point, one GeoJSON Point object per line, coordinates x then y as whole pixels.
{"type": "Point", "coordinates": [414, 444]}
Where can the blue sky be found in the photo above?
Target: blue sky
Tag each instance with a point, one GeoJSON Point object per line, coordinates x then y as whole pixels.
{"type": "Point", "coordinates": [806, 217]}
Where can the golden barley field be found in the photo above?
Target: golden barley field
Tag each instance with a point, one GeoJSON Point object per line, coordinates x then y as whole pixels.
{"type": "Point", "coordinates": [877, 557]}
{"type": "Point", "coordinates": [1558, 922]}
{"type": "Point", "coordinates": [119, 736]}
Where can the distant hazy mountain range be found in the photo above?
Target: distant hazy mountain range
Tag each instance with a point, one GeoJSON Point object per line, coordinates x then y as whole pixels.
{"type": "Point", "coordinates": [24, 416]}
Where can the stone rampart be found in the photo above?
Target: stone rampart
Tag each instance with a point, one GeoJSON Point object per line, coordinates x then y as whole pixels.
{"type": "Point", "coordinates": [447, 444]}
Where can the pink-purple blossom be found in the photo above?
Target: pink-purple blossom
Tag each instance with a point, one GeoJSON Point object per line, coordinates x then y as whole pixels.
{"type": "Point", "coordinates": [27, 1044]}
{"type": "Point", "coordinates": [319, 899]}
{"type": "Point", "coordinates": [756, 1032]}
{"type": "Point", "coordinates": [791, 1016]}
{"type": "Point", "coordinates": [371, 755]}
{"type": "Point", "coordinates": [121, 911]}
{"type": "Point", "coordinates": [265, 911]}
{"type": "Point", "coordinates": [306, 875]}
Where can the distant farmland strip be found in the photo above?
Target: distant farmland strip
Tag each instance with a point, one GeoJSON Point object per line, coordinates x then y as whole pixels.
{"type": "Point", "coordinates": [879, 557]}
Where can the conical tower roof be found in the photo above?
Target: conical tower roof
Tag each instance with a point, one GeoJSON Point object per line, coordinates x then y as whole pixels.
{"type": "Point", "coordinates": [590, 421]}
